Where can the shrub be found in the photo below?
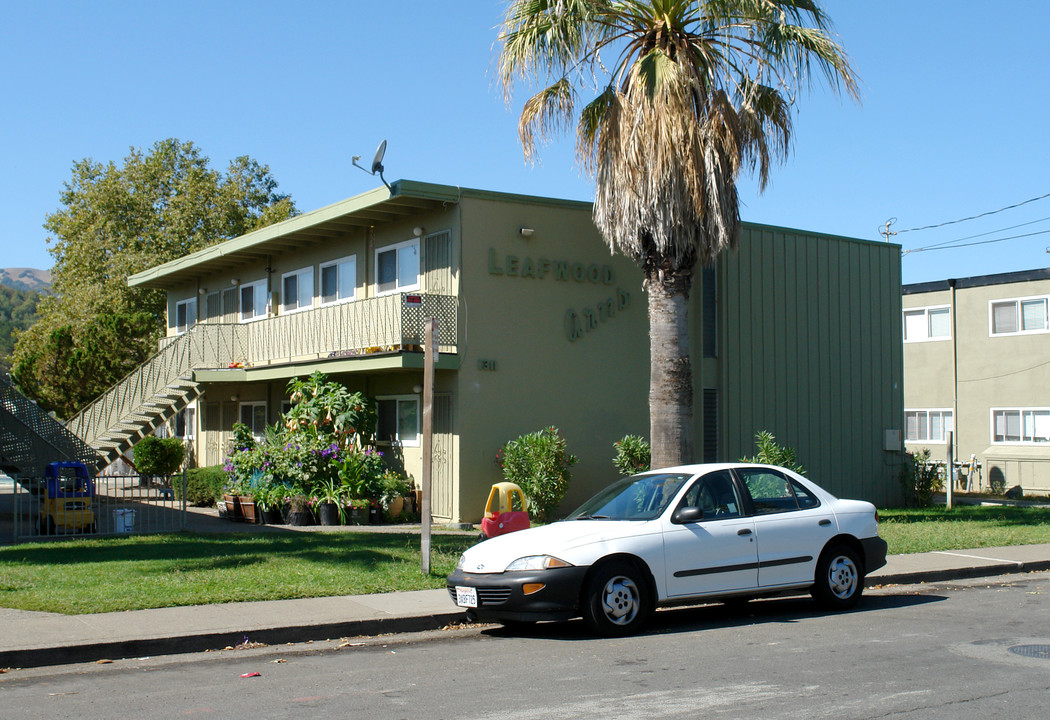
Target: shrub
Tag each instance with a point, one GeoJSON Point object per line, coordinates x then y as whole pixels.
{"type": "Point", "coordinates": [632, 455]}
{"type": "Point", "coordinates": [920, 478]}
{"type": "Point", "coordinates": [772, 453]}
{"type": "Point", "coordinates": [539, 464]}
{"type": "Point", "coordinates": [159, 456]}
{"type": "Point", "coordinates": [203, 485]}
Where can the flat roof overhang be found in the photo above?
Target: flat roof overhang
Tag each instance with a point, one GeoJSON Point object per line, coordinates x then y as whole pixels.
{"type": "Point", "coordinates": [391, 362]}
{"type": "Point", "coordinates": [369, 209]}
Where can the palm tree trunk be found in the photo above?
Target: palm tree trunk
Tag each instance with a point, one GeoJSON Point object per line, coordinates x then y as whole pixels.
{"type": "Point", "coordinates": [670, 376]}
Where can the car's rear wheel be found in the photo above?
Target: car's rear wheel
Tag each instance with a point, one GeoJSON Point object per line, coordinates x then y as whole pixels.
{"type": "Point", "coordinates": [839, 580]}
{"type": "Point", "coordinates": [616, 600]}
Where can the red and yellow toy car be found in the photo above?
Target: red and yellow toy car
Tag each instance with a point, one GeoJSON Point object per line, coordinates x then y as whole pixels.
{"type": "Point", "coordinates": [506, 510]}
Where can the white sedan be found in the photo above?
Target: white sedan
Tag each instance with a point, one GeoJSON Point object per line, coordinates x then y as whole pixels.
{"type": "Point", "coordinates": [673, 536]}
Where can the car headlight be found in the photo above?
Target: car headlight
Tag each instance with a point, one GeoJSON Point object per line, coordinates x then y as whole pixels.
{"type": "Point", "coordinates": [537, 562]}
{"type": "Point", "coordinates": [462, 560]}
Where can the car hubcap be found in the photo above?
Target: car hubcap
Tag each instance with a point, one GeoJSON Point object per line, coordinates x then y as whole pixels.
{"type": "Point", "coordinates": [842, 577]}
{"type": "Point", "coordinates": [620, 600]}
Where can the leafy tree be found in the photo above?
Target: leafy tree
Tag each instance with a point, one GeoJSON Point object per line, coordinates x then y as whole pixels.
{"type": "Point", "coordinates": [116, 221]}
{"type": "Point", "coordinates": [694, 91]}
{"type": "Point", "coordinates": [17, 312]}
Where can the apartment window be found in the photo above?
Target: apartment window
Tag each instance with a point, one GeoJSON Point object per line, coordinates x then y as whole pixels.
{"type": "Point", "coordinates": [398, 420]}
{"type": "Point", "coordinates": [397, 268]}
{"type": "Point", "coordinates": [927, 425]}
{"type": "Point", "coordinates": [1024, 315]}
{"type": "Point", "coordinates": [930, 323]}
{"type": "Point", "coordinates": [185, 421]}
{"type": "Point", "coordinates": [1017, 425]}
{"type": "Point", "coordinates": [297, 290]}
{"type": "Point", "coordinates": [185, 315]}
{"type": "Point", "coordinates": [339, 280]}
{"type": "Point", "coordinates": [253, 301]}
{"type": "Point", "coordinates": [253, 414]}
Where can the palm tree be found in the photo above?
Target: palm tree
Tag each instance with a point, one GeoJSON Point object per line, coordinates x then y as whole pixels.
{"type": "Point", "coordinates": [692, 93]}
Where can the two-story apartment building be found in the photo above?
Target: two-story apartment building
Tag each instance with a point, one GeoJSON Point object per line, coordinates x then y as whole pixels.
{"type": "Point", "coordinates": [796, 333]}
{"type": "Point", "coordinates": [977, 365]}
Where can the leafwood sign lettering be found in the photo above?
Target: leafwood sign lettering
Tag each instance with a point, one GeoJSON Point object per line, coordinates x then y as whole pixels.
{"type": "Point", "coordinates": [577, 322]}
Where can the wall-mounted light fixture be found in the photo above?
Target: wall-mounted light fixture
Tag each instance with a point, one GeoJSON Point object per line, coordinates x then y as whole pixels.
{"type": "Point", "coordinates": [235, 397]}
{"type": "Point", "coordinates": [417, 389]}
{"type": "Point", "coordinates": [235, 282]}
{"type": "Point", "coordinates": [202, 290]}
{"type": "Point", "coordinates": [417, 231]}
{"type": "Point", "coordinates": [526, 232]}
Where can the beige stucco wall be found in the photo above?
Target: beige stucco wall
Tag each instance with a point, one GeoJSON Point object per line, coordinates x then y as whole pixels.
{"type": "Point", "coordinates": [994, 372]}
{"type": "Point", "coordinates": [514, 310]}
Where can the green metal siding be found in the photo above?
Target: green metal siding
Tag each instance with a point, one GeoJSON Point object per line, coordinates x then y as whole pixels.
{"type": "Point", "coordinates": [810, 349]}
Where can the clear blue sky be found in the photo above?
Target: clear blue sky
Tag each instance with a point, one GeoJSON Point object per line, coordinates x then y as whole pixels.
{"type": "Point", "coordinates": [952, 123]}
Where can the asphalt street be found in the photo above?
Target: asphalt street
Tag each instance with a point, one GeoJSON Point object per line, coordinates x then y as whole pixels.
{"type": "Point", "coordinates": [959, 649]}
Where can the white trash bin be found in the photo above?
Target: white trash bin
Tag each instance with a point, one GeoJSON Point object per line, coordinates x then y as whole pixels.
{"type": "Point", "coordinates": [124, 520]}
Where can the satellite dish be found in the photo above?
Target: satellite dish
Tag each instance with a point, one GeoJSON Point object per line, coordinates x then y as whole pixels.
{"type": "Point", "coordinates": [377, 163]}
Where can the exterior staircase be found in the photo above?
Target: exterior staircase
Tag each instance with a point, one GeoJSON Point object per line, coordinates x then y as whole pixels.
{"type": "Point", "coordinates": [154, 392]}
{"type": "Point", "coordinates": [30, 438]}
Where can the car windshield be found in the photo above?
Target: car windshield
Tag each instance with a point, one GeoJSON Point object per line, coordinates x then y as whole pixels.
{"type": "Point", "coordinates": [639, 497]}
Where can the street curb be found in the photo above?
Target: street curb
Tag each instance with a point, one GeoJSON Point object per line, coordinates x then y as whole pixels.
{"type": "Point", "coordinates": [932, 576]}
{"type": "Point", "coordinates": [91, 652]}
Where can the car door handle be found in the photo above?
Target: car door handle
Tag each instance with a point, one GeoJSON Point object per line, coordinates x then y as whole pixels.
{"type": "Point", "coordinates": [824, 522]}
{"type": "Point", "coordinates": [744, 531]}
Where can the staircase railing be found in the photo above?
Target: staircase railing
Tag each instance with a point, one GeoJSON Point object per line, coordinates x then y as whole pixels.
{"type": "Point", "coordinates": [30, 438]}
{"type": "Point", "coordinates": [204, 346]}
{"type": "Point", "coordinates": [393, 321]}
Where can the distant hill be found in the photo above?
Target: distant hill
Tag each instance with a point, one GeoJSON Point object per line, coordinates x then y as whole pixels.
{"type": "Point", "coordinates": [26, 279]}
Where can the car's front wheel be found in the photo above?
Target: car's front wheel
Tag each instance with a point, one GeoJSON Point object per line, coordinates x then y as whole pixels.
{"type": "Point", "coordinates": [839, 581]}
{"type": "Point", "coordinates": [616, 600]}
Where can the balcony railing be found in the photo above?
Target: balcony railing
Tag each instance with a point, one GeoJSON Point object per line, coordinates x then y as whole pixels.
{"type": "Point", "coordinates": [390, 322]}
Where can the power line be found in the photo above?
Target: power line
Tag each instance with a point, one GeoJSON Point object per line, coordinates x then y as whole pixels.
{"type": "Point", "coordinates": [981, 242]}
{"type": "Point", "coordinates": [974, 217]}
{"type": "Point", "coordinates": [970, 237]}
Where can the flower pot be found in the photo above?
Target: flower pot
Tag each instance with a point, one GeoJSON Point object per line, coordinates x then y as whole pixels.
{"type": "Point", "coordinates": [328, 513]}
{"type": "Point", "coordinates": [375, 515]}
{"type": "Point", "coordinates": [300, 517]}
{"type": "Point", "coordinates": [233, 507]}
{"type": "Point", "coordinates": [247, 505]}
{"type": "Point", "coordinates": [395, 507]}
{"type": "Point", "coordinates": [358, 515]}
{"type": "Point", "coordinates": [273, 516]}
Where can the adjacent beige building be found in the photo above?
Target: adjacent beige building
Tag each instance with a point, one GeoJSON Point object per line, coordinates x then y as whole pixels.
{"type": "Point", "coordinates": [796, 333]}
{"type": "Point", "coordinates": [977, 365]}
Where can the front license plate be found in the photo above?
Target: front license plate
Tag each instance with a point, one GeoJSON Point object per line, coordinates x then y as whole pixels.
{"type": "Point", "coordinates": [466, 596]}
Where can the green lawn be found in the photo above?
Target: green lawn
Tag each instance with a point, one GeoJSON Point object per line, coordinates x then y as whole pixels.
{"type": "Point", "coordinates": [964, 526]}
{"type": "Point", "coordinates": [110, 574]}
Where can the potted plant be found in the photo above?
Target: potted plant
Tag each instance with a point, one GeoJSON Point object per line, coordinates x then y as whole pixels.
{"type": "Point", "coordinates": [395, 489]}
{"type": "Point", "coordinates": [330, 510]}
{"type": "Point", "coordinates": [269, 497]}
{"type": "Point", "coordinates": [357, 511]}
{"type": "Point", "coordinates": [299, 512]}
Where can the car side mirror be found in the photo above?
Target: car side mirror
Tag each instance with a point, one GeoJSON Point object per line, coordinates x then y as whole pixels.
{"type": "Point", "coordinates": [685, 515]}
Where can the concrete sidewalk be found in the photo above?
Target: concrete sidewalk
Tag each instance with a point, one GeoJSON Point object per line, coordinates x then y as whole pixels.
{"type": "Point", "coordinates": [32, 639]}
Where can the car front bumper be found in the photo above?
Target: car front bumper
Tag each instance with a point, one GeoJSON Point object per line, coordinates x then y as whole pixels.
{"type": "Point", "coordinates": [501, 595]}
